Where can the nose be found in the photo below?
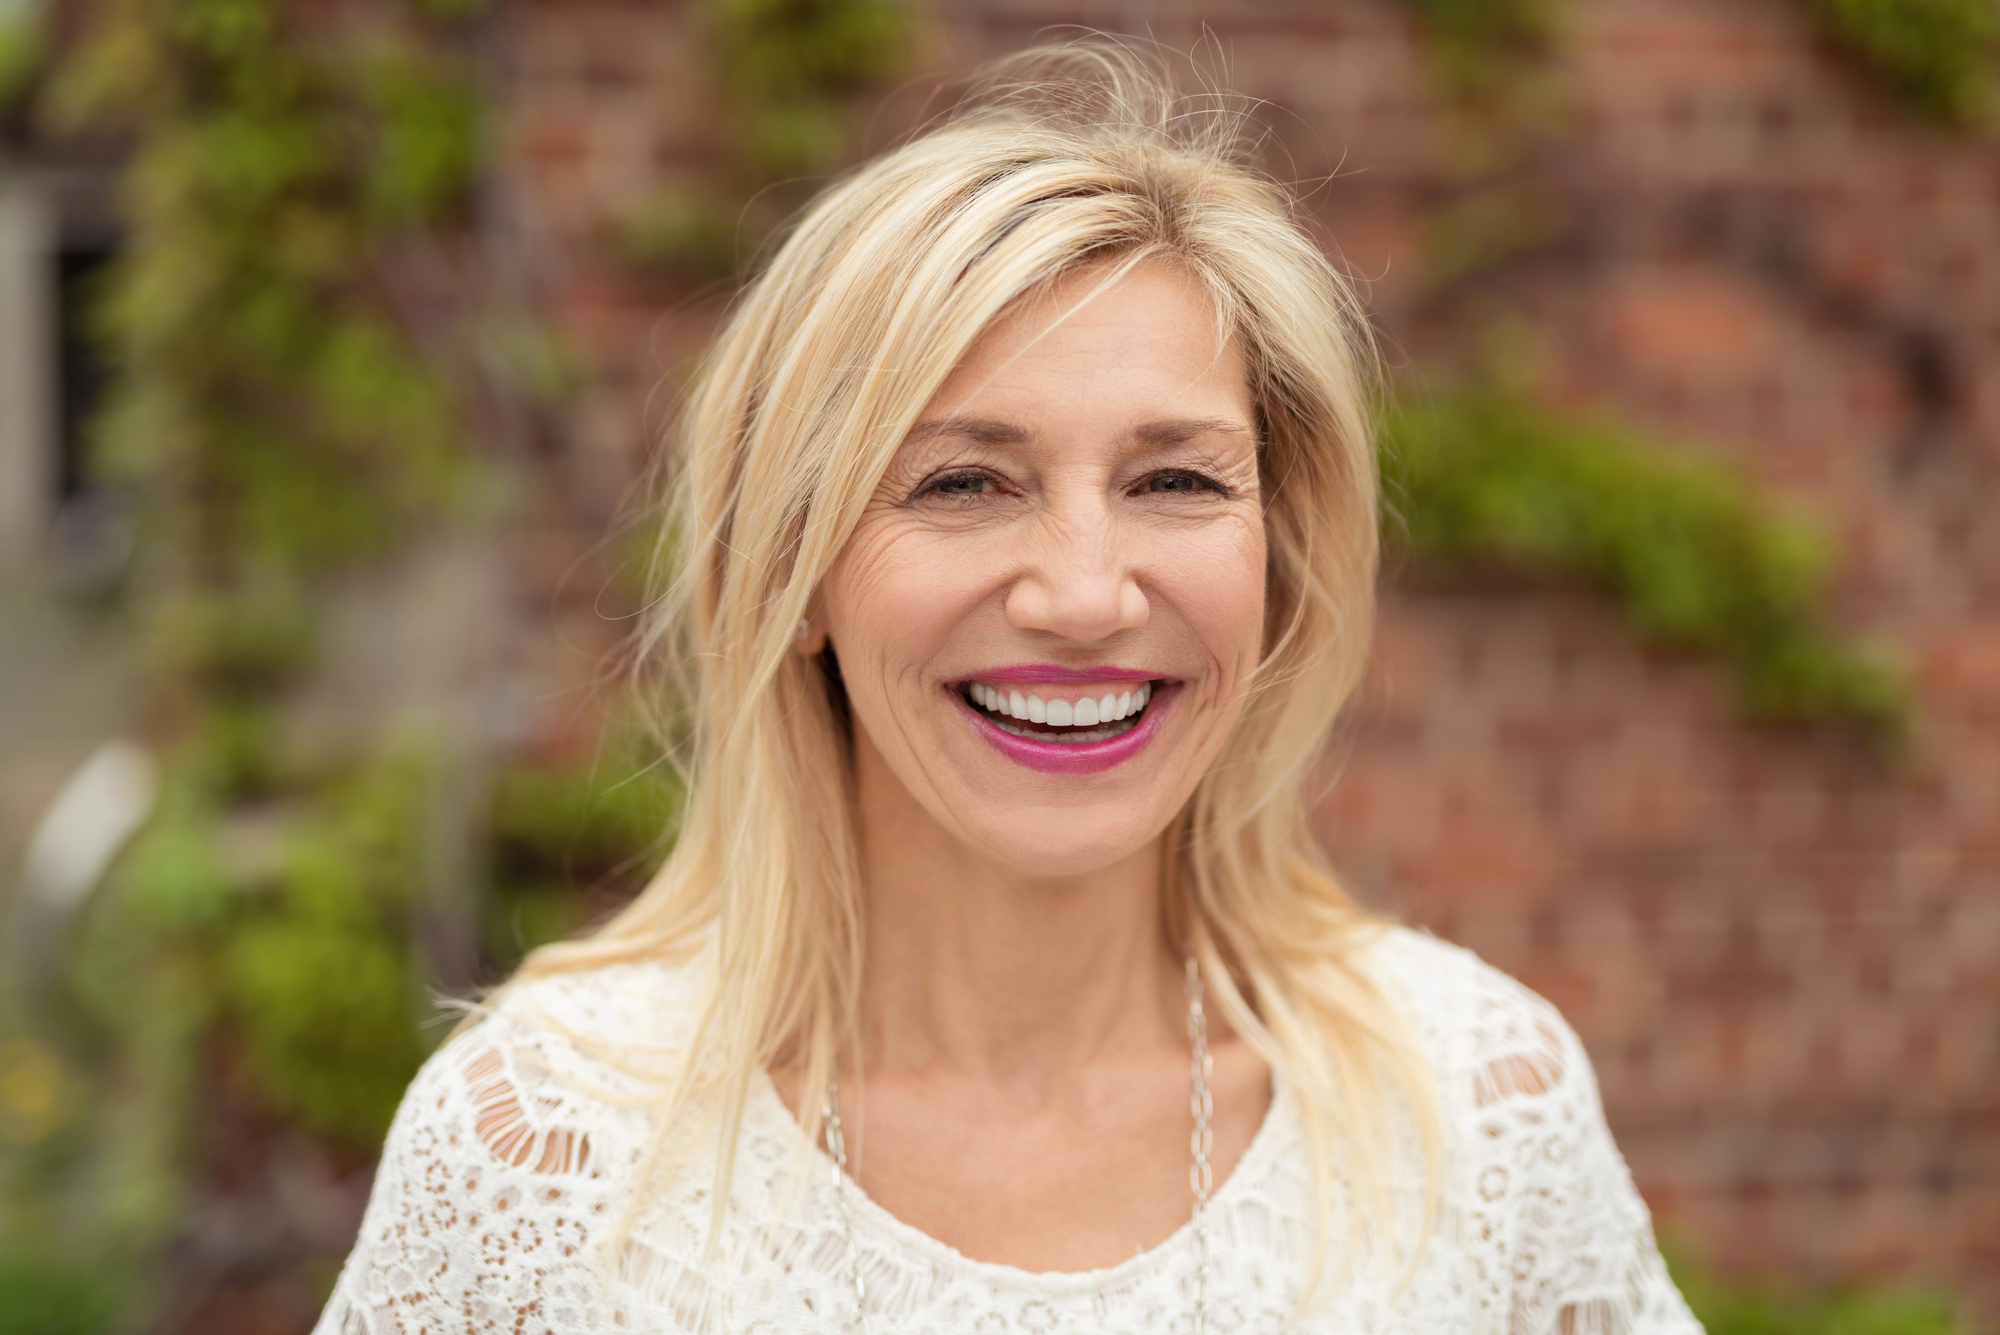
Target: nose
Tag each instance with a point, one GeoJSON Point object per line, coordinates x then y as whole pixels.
{"type": "Point", "coordinates": [1076, 577]}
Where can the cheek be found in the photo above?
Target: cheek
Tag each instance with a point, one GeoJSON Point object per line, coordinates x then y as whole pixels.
{"type": "Point", "coordinates": [889, 603]}
{"type": "Point", "coordinates": [1218, 584]}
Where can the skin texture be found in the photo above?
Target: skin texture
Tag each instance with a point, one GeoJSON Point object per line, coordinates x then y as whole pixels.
{"type": "Point", "coordinates": [1082, 491]}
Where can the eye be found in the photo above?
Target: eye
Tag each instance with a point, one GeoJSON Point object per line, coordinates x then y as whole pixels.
{"type": "Point", "coordinates": [961, 484]}
{"type": "Point", "coordinates": [1179, 482]}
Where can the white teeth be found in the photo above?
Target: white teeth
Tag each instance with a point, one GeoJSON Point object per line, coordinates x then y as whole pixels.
{"type": "Point", "coordinates": [1112, 708]}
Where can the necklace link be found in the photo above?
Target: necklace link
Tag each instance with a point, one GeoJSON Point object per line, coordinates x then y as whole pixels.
{"type": "Point", "coordinates": [1201, 1067]}
{"type": "Point", "coordinates": [836, 1146]}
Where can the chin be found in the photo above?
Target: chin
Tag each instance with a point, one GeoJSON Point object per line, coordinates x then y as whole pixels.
{"type": "Point", "coordinates": [1044, 842]}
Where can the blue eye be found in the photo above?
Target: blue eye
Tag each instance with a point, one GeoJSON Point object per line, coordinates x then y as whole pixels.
{"type": "Point", "coordinates": [1175, 482]}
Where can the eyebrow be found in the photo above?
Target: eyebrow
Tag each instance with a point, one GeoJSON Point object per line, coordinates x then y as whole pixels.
{"type": "Point", "coordinates": [1180, 430]}
{"type": "Point", "coordinates": [985, 430]}
{"type": "Point", "coordinates": [1158, 435]}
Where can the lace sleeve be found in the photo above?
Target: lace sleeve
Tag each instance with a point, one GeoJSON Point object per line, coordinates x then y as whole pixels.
{"type": "Point", "coordinates": [1580, 1257]}
{"type": "Point", "coordinates": [483, 1206]}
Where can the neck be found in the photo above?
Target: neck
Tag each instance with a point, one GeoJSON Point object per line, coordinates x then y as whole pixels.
{"type": "Point", "coordinates": [998, 974]}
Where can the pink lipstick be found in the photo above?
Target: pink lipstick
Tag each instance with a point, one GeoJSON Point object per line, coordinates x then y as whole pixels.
{"type": "Point", "coordinates": [1062, 735]}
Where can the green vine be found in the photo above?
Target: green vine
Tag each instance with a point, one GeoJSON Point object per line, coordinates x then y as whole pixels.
{"type": "Point", "coordinates": [1695, 556]}
{"type": "Point", "coordinates": [1937, 54]}
{"type": "Point", "coordinates": [788, 74]}
{"type": "Point", "coordinates": [1735, 1306]}
{"type": "Point", "coordinates": [568, 841]}
{"type": "Point", "coordinates": [1476, 45]}
{"type": "Point", "coordinates": [276, 413]}
{"type": "Point", "coordinates": [280, 932]}
{"type": "Point", "coordinates": [20, 53]}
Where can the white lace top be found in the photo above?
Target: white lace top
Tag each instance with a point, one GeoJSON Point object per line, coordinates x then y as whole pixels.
{"type": "Point", "coordinates": [515, 1150]}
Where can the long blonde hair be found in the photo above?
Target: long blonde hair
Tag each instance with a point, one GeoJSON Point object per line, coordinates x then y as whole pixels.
{"type": "Point", "coordinates": [1067, 157]}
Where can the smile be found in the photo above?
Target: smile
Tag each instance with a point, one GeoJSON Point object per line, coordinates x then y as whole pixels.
{"type": "Point", "coordinates": [1066, 721]}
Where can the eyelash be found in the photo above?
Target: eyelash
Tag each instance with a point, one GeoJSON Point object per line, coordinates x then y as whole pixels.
{"type": "Point", "coordinates": [935, 486]}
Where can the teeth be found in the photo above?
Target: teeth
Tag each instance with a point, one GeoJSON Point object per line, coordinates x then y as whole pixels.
{"type": "Point", "coordinates": [1101, 715]}
{"type": "Point", "coordinates": [1093, 735]}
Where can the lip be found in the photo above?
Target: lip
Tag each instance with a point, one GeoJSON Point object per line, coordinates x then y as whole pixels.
{"type": "Point", "coordinates": [1073, 757]}
{"type": "Point", "coordinates": [1055, 674]}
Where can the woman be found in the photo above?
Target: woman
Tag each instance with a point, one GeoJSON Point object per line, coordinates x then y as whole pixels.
{"type": "Point", "coordinates": [1025, 530]}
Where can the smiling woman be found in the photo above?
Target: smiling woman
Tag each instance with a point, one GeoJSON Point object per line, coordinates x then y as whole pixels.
{"type": "Point", "coordinates": [1025, 522]}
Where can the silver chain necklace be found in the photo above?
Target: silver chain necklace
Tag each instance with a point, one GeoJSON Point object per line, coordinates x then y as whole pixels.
{"type": "Point", "coordinates": [1200, 1177]}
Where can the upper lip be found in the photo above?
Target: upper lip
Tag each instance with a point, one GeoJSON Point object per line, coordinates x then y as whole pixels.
{"type": "Point", "coordinates": [1055, 674]}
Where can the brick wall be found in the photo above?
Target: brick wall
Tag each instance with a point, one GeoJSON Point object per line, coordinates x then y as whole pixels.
{"type": "Point", "coordinates": [1783, 954]}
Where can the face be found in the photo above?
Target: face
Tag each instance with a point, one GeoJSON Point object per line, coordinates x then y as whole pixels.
{"type": "Point", "coordinates": [1048, 613]}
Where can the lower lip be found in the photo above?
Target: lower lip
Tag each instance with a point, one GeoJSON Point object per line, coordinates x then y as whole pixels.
{"type": "Point", "coordinates": [1074, 757]}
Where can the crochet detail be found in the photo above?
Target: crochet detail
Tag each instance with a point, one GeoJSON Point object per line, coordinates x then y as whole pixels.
{"type": "Point", "coordinates": [512, 1158]}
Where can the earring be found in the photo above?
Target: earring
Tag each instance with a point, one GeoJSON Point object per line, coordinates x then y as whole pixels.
{"type": "Point", "coordinates": [805, 628]}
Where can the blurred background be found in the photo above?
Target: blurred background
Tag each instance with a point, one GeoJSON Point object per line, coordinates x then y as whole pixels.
{"type": "Point", "coordinates": [336, 337]}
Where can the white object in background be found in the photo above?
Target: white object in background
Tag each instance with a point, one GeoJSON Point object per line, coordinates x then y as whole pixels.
{"type": "Point", "coordinates": [90, 820]}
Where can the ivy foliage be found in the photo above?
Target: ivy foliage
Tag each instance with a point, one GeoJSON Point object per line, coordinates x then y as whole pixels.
{"type": "Point", "coordinates": [20, 53]}
{"type": "Point", "coordinates": [788, 71]}
{"type": "Point", "coordinates": [1696, 557]}
{"type": "Point", "coordinates": [1737, 1307]}
{"type": "Point", "coordinates": [280, 421]}
{"type": "Point", "coordinates": [1937, 54]}
{"type": "Point", "coordinates": [57, 1295]}
{"type": "Point", "coordinates": [787, 74]}
{"type": "Point", "coordinates": [572, 840]}
{"type": "Point", "coordinates": [282, 931]}
{"type": "Point", "coordinates": [1476, 44]}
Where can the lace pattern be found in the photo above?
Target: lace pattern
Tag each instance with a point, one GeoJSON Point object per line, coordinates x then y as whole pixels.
{"type": "Point", "coordinates": [513, 1155]}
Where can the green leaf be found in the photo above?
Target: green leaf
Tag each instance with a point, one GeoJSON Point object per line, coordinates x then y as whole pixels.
{"type": "Point", "coordinates": [1696, 555]}
{"type": "Point", "coordinates": [1938, 54]}
{"type": "Point", "coordinates": [21, 51]}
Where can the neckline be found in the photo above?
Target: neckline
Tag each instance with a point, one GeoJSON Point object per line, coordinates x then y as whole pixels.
{"type": "Point", "coordinates": [873, 1218]}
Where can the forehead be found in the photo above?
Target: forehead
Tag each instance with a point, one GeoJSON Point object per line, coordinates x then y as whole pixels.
{"type": "Point", "coordinates": [1105, 341]}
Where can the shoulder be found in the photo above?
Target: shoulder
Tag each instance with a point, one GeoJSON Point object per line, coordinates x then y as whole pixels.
{"type": "Point", "coordinates": [571, 1048]}
{"type": "Point", "coordinates": [1490, 1039]}
{"type": "Point", "coordinates": [1533, 1179]}
{"type": "Point", "coordinates": [509, 1157]}
{"type": "Point", "coordinates": [637, 1010]}
{"type": "Point", "coordinates": [553, 1075]}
